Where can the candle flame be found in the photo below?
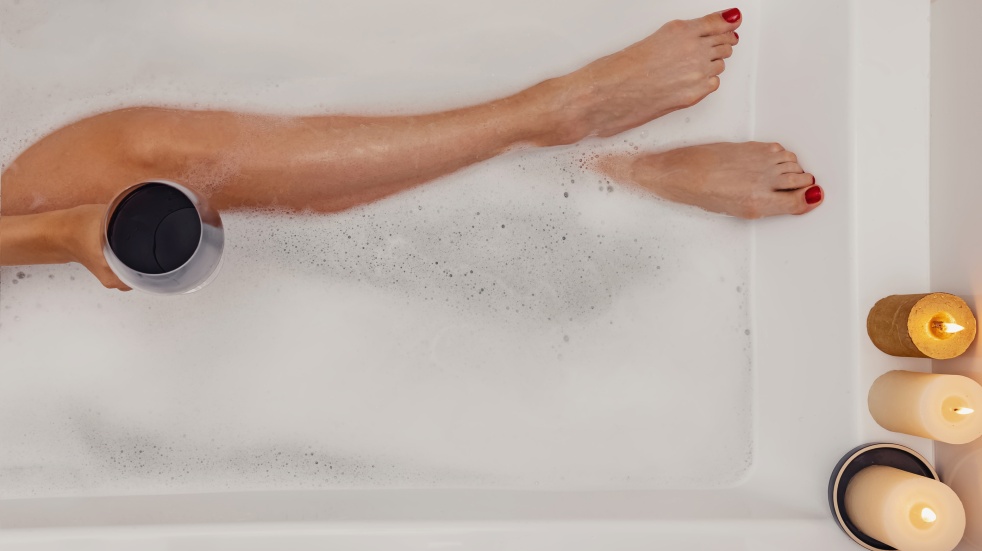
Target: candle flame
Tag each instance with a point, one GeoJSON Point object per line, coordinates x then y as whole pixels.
{"type": "Point", "coordinates": [964, 411]}
{"type": "Point", "coordinates": [928, 515]}
{"type": "Point", "coordinates": [950, 328]}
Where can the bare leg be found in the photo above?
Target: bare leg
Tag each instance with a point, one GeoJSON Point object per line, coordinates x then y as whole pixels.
{"type": "Point", "coordinates": [748, 180]}
{"type": "Point", "coordinates": [330, 163]}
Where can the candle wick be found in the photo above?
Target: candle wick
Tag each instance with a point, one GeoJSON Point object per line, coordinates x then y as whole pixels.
{"type": "Point", "coordinates": [948, 327]}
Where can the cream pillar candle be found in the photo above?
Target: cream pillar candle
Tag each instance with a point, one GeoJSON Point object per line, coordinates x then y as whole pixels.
{"type": "Point", "coordinates": [947, 408]}
{"type": "Point", "coordinates": [935, 325]}
{"type": "Point", "coordinates": [905, 510]}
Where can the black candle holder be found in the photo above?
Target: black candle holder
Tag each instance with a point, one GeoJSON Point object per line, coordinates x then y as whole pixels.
{"type": "Point", "coordinates": [868, 455]}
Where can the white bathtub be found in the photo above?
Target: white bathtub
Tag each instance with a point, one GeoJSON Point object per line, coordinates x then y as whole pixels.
{"type": "Point", "coordinates": [844, 84]}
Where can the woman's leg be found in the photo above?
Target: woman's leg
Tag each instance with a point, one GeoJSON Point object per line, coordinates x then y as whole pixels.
{"type": "Point", "coordinates": [748, 180]}
{"type": "Point", "coordinates": [330, 163]}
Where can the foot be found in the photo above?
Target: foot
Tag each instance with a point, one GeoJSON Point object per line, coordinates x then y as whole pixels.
{"type": "Point", "coordinates": [676, 67]}
{"type": "Point", "coordinates": [747, 180]}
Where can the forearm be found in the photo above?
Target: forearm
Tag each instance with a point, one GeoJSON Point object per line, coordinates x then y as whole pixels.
{"type": "Point", "coordinates": [32, 239]}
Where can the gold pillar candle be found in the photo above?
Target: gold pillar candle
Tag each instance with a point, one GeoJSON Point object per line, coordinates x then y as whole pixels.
{"type": "Point", "coordinates": [905, 510]}
{"type": "Point", "coordinates": [947, 408]}
{"type": "Point", "coordinates": [935, 325]}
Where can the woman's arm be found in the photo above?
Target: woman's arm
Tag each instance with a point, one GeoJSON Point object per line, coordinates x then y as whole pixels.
{"type": "Point", "coordinates": [32, 239]}
{"type": "Point", "coordinates": [58, 237]}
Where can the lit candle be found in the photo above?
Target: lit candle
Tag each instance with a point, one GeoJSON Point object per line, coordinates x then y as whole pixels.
{"type": "Point", "coordinates": [935, 325]}
{"type": "Point", "coordinates": [947, 408]}
{"type": "Point", "coordinates": [905, 510]}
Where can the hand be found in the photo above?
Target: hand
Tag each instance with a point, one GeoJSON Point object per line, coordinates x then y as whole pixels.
{"type": "Point", "coordinates": [675, 67]}
{"type": "Point", "coordinates": [79, 231]}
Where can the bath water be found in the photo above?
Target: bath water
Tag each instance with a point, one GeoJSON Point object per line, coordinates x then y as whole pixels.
{"type": "Point", "coordinates": [523, 323]}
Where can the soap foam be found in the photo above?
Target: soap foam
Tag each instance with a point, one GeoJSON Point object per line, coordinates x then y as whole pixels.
{"type": "Point", "coordinates": [523, 323]}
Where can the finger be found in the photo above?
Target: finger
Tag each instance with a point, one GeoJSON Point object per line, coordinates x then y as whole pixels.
{"type": "Point", "coordinates": [719, 22]}
{"type": "Point", "coordinates": [111, 284]}
{"type": "Point", "coordinates": [722, 51]}
{"type": "Point", "coordinates": [110, 280]}
{"type": "Point", "coordinates": [794, 181]}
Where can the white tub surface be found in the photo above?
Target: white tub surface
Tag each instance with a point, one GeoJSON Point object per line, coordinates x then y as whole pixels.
{"type": "Point", "coordinates": [483, 362]}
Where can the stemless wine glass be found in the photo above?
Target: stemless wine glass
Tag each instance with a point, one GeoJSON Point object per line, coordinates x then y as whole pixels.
{"type": "Point", "coordinates": [163, 238]}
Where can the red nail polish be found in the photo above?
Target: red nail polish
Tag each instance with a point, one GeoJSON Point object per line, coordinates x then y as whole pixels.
{"type": "Point", "coordinates": [736, 35]}
{"type": "Point", "coordinates": [813, 195]}
{"type": "Point", "coordinates": [731, 15]}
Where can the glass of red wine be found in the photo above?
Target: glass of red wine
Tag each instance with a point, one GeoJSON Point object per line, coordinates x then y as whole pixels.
{"type": "Point", "coordinates": [163, 238]}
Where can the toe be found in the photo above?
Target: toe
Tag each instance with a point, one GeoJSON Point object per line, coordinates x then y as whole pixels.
{"type": "Point", "coordinates": [794, 181]}
{"type": "Point", "coordinates": [795, 202]}
{"type": "Point", "coordinates": [719, 22]}
{"type": "Point", "coordinates": [730, 39]}
{"type": "Point", "coordinates": [784, 156]}
{"type": "Point", "coordinates": [717, 67]}
{"type": "Point", "coordinates": [811, 197]}
{"type": "Point", "coordinates": [722, 51]}
{"type": "Point", "coordinates": [788, 168]}
{"type": "Point", "coordinates": [713, 85]}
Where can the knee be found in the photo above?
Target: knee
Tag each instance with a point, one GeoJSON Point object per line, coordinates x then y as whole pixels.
{"type": "Point", "coordinates": [129, 133]}
{"type": "Point", "coordinates": [150, 139]}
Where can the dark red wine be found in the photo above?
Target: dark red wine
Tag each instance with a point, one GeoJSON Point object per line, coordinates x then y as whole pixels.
{"type": "Point", "coordinates": [155, 229]}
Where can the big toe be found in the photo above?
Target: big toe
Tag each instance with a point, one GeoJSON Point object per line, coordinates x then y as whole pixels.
{"type": "Point", "coordinates": [798, 201]}
{"type": "Point", "coordinates": [719, 22]}
{"type": "Point", "coordinates": [802, 201]}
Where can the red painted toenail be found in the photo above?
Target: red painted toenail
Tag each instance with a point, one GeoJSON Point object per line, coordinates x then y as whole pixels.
{"type": "Point", "coordinates": [813, 195]}
{"type": "Point", "coordinates": [731, 15]}
{"type": "Point", "coordinates": [735, 35]}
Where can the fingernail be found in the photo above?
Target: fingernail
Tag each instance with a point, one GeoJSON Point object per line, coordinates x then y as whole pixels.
{"type": "Point", "coordinates": [731, 15]}
{"type": "Point", "coordinates": [736, 35]}
{"type": "Point", "coordinates": [813, 195]}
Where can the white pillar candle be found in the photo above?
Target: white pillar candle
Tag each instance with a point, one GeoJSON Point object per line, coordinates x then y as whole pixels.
{"type": "Point", "coordinates": [947, 408]}
{"type": "Point", "coordinates": [905, 510]}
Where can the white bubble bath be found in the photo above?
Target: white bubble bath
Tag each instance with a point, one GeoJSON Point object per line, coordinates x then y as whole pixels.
{"type": "Point", "coordinates": [520, 344]}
